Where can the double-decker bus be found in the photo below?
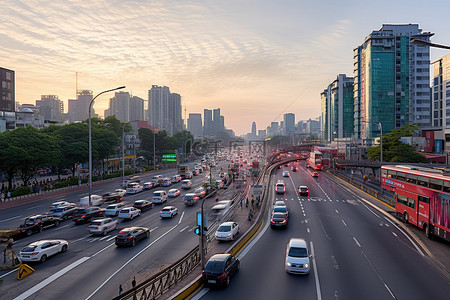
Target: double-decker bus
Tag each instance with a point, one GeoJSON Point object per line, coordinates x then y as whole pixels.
{"type": "Point", "coordinates": [422, 197]}
{"type": "Point", "coordinates": [315, 160]}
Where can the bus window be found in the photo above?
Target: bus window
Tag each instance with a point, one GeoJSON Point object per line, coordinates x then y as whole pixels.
{"type": "Point", "coordinates": [401, 176]}
{"type": "Point", "coordinates": [424, 199]}
{"type": "Point", "coordinates": [402, 199]}
{"type": "Point", "coordinates": [411, 178]}
{"type": "Point", "coordinates": [383, 173]}
{"type": "Point", "coordinates": [423, 181]}
{"type": "Point", "coordinates": [447, 186]}
{"type": "Point", "coordinates": [391, 174]}
{"type": "Point", "coordinates": [411, 203]}
{"type": "Point", "coordinates": [436, 184]}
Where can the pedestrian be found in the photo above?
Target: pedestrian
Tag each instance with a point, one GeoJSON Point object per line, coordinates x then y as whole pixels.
{"type": "Point", "coordinates": [253, 203]}
{"type": "Point", "coordinates": [133, 283]}
{"type": "Point", "coordinates": [8, 195]}
{"type": "Point", "coordinates": [120, 289]}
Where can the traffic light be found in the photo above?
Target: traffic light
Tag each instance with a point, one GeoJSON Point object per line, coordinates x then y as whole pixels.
{"type": "Point", "coordinates": [197, 230]}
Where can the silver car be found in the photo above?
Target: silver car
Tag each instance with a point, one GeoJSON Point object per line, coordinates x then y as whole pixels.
{"type": "Point", "coordinates": [39, 251]}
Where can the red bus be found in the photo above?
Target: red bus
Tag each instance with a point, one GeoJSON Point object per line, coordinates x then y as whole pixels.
{"type": "Point", "coordinates": [315, 160]}
{"type": "Point", "coordinates": [422, 197]}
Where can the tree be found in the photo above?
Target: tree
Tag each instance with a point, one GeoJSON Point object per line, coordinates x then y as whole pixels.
{"type": "Point", "coordinates": [396, 151]}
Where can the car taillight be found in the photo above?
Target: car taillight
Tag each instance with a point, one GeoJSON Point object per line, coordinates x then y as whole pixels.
{"type": "Point", "coordinates": [284, 221]}
{"type": "Point", "coordinates": [36, 223]}
{"type": "Point", "coordinates": [271, 221]}
{"type": "Point", "coordinates": [203, 273]}
{"type": "Point", "coordinates": [129, 238]}
{"type": "Point", "coordinates": [35, 253]}
{"type": "Point", "coordinates": [82, 217]}
{"type": "Point", "coordinates": [224, 275]}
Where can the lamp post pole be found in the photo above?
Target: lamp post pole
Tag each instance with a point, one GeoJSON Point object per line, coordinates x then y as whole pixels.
{"type": "Point", "coordinates": [90, 138]}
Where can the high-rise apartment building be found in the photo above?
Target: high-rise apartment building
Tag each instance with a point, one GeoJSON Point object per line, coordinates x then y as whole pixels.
{"type": "Point", "coordinates": [51, 107]}
{"type": "Point", "coordinates": [79, 108]}
{"type": "Point", "coordinates": [441, 97]}
{"type": "Point", "coordinates": [137, 112]}
{"type": "Point", "coordinates": [207, 122]}
{"type": "Point", "coordinates": [194, 124]}
{"type": "Point", "coordinates": [289, 124]}
{"type": "Point", "coordinates": [337, 108]}
{"type": "Point", "coordinates": [164, 109]}
{"type": "Point", "coordinates": [7, 100]}
{"type": "Point", "coordinates": [391, 80]}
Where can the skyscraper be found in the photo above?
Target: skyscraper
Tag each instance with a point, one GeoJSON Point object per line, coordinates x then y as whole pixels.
{"type": "Point", "coordinates": [391, 80]}
{"type": "Point", "coordinates": [175, 118]}
{"type": "Point", "coordinates": [137, 109]}
{"type": "Point", "coordinates": [254, 129]}
{"type": "Point", "coordinates": [79, 108]}
{"type": "Point", "coordinates": [50, 107]}
{"type": "Point", "coordinates": [289, 124]}
{"type": "Point", "coordinates": [208, 122]}
{"type": "Point", "coordinates": [194, 124]}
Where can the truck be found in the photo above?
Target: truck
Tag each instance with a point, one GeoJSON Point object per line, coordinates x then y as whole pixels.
{"type": "Point", "coordinates": [182, 170]}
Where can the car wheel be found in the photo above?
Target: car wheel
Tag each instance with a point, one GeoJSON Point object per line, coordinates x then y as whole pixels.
{"type": "Point", "coordinates": [117, 213]}
{"type": "Point", "coordinates": [29, 232]}
{"type": "Point", "coordinates": [228, 281]}
{"type": "Point", "coordinates": [133, 243]}
{"type": "Point", "coordinates": [232, 237]}
{"type": "Point", "coordinates": [148, 234]}
{"type": "Point", "coordinates": [40, 228]}
{"type": "Point", "coordinates": [64, 248]}
{"type": "Point", "coordinates": [64, 218]}
{"type": "Point", "coordinates": [104, 232]}
{"type": "Point", "coordinates": [56, 223]}
{"type": "Point", "coordinates": [43, 258]}
{"type": "Point", "coordinates": [132, 216]}
{"type": "Point", "coordinates": [238, 266]}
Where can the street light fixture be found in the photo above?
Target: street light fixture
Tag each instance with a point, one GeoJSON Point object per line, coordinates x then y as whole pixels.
{"type": "Point", "coordinates": [424, 43]}
{"type": "Point", "coordinates": [90, 138]}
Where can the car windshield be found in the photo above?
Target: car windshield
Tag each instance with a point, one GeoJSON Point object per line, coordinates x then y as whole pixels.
{"type": "Point", "coordinates": [303, 189]}
{"type": "Point", "coordinates": [123, 233]}
{"type": "Point", "coordinates": [224, 228]}
{"type": "Point", "coordinates": [298, 252]}
{"type": "Point", "coordinates": [165, 209]}
{"type": "Point", "coordinates": [280, 209]}
{"type": "Point", "coordinates": [278, 216]}
{"type": "Point", "coordinates": [156, 194]}
{"type": "Point", "coordinates": [58, 210]}
{"type": "Point", "coordinates": [214, 266]}
{"type": "Point", "coordinates": [96, 223]}
{"type": "Point", "coordinates": [111, 207]}
{"type": "Point", "coordinates": [29, 249]}
{"type": "Point", "coordinates": [30, 221]}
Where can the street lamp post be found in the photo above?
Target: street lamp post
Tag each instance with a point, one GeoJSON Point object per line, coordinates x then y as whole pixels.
{"type": "Point", "coordinates": [90, 138]}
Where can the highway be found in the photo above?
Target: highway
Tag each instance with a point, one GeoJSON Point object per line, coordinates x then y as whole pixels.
{"type": "Point", "coordinates": [358, 253]}
{"type": "Point", "coordinates": [93, 267]}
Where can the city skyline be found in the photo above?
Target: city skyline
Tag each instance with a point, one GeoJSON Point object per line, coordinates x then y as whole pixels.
{"type": "Point", "coordinates": [258, 61]}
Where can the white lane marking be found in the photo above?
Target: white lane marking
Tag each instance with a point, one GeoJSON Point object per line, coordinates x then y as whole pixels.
{"type": "Point", "coordinates": [407, 236]}
{"type": "Point", "coordinates": [100, 251]}
{"type": "Point", "coordinates": [181, 218]}
{"type": "Point", "coordinates": [389, 290]}
{"type": "Point", "coordinates": [154, 229]}
{"type": "Point", "coordinates": [35, 206]}
{"type": "Point", "coordinates": [370, 210]}
{"type": "Point", "coordinates": [337, 200]}
{"type": "Point", "coordinates": [344, 223]}
{"type": "Point", "coordinates": [103, 238]}
{"type": "Point", "coordinates": [5, 220]}
{"type": "Point", "coordinates": [306, 221]}
{"type": "Point", "coordinates": [307, 230]}
{"type": "Point", "coordinates": [316, 272]}
{"type": "Point", "coordinates": [357, 243]}
{"type": "Point", "coordinates": [93, 240]}
{"type": "Point", "coordinates": [394, 234]}
{"type": "Point", "coordinates": [8, 273]}
{"type": "Point", "coordinates": [61, 227]}
{"type": "Point", "coordinates": [50, 279]}
{"type": "Point", "coordinates": [200, 294]}
{"type": "Point", "coordinates": [336, 211]}
{"type": "Point", "coordinates": [81, 239]}
{"type": "Point", "coordinates": [130, 260]}
{"type": "Point", "coordinates": [184, 228]}
{"type": "Point", "coordinates": [335, 264]}
{"type": "Point", "coordinates": [192, 228]}
{"type": "Point", "coordinates": [111, 238]}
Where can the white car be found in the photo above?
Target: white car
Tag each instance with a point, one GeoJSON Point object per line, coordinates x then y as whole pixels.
{"type": "Point", "coordinates": [39, 251]}
{"type": "Point", "coordinates": [129, 213]}
{"type": "Point", "coordinates": [297, 257]}
{"type": "Point", "coordinates": [134, 188]}
{"type": "Point", "coordinates": [286, 174]}
{"type": "Point", "coordinates": [121, 192]}
{"type": "Point", "coordinates": [173, 193]}
{"type": "Point", "coordinates": [60, 203]}
{"type": "Point", "coordinates": [227, 231]}
{"type": "Point", "coordinates": [147, 185]}
{"type": "Point", "coordinates": [186, 184]}
{"type": "Point", "coordinates": [102, 226]}
{"type": "Point", "coordinates": [159, 196]}
{"type": "Point", "coordinates": [168, 212]}
{"type": "Point", "coordinates": [114, 209]}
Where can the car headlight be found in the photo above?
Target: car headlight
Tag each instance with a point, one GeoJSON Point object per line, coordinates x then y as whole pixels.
{"type": "Point", "coordinates": [288, 264]}
{"type": "Point", "coordinates": [228, 235]}
{"type": "Point", "coordinates": [306, 266]}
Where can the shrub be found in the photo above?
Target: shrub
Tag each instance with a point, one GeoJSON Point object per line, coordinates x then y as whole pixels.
{"type": "Point", "coordinates": [20, 191]}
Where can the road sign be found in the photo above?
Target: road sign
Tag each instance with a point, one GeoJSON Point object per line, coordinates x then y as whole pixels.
{"type": "Point", "coordinates": [169, 157]}
{"type": "Point", "coordinates": [257, 190]}
{"type": "Point", "coordinates": [24, 271]}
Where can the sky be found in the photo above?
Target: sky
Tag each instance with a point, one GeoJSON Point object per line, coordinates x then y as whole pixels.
{"type": "Point", "coordinates": [253, 59]}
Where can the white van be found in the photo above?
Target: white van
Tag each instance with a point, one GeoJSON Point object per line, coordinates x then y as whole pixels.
{"type": "Point", "coordinates": [95, 200]}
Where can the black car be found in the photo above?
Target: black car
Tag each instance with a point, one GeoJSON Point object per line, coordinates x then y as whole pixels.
{"type": "Point", "coordinates": [219, 269]}
{"type": "Point", "coordinates": [86, 214]}
{"type": "Point", "coordinates": [278, 220]}
{"type": "Point", "coordinates": [37, 223]}
{"type": "Point", "coordinates": [131, 235]}
{"type": "Point", "coordinates": [143, 205]}
{"type": "Point", "coordinates": [112, 197]}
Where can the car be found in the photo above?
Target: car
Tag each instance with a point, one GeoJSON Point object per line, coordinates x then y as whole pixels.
{"type": "Point", "coordinates": [157, 180]}
{"type": "Point", "coordinates": [39, 251]}
{"type": "Point", "coordinates": [168, 212]}
{"type": "Point", "coordinates": [176, 178]}
{"type": "Point", "coordinates": [37, 223]}
{"type": "Point", "coordinates": [112, 197]}
{"type": "Point", "coordinates": [121, 192]}
{"type": "Point", "coordinates": [297, 257]}
{"type": "Point", "coordinates": [143, 205]}
{"type": "Point", "coordinates": [159, 197]}
{"type": "Point", "coordinates": [221, 208]}
{"type": "Point", "coordinates": [294, 169]}
{"type": "Point", "coordinates": [200, 192]}
{"type": "Point", "coordinates": [315, 174]}
{"type": "Point", "coordinates": [190, 199]}
{"type": "Point", "coordinates": [219, 269]}
{"type": "Point", "coordinates": [281, 209]}
{"type": "Point", "coordinates": [173, 193]}
{"type": "Point", "coordinates": [86, 214]}
{"type": "Point", "coordinates": [286, 174]}
{"type": "Point", "coordinates": [219, 184]}
{"type": "Point", "coordinates": [129, 236]}
{"type": "Point", "coordinates": [147, 185]}
{"type": "Point", "coordinates": [278, 219]}
{"type": "Point", "coordinates": [186, 184]}
{"type": "Point", "coordinates": [129, 213]}
{"type": "Point", "coordinates": [166, 182]}
{"type": "Point", "coordinates": [303, 190]}
{"type": "Point", "coordinates": [280, 187]}
{"type": "Point", "coordinates": [280, 203]}
{"type": "Point", "coordinates": [134, 188]}
{"type": "Point", "coordinates": [114, 209]}
{"type": "Point", "coordinates": [188, 175]}
{"type": "Point", "coordinates": [94, 200]}
{"type": "Point", "coordinates": [195, 172]}
{"type": "Point", "coordinates": [59, 203]}
{"type": "Point", "coordinates": [103, 226]}
{"type": "Point", "coordinates": [63, 212]}
{"type": "Point", "coordinates": [227, 231]}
